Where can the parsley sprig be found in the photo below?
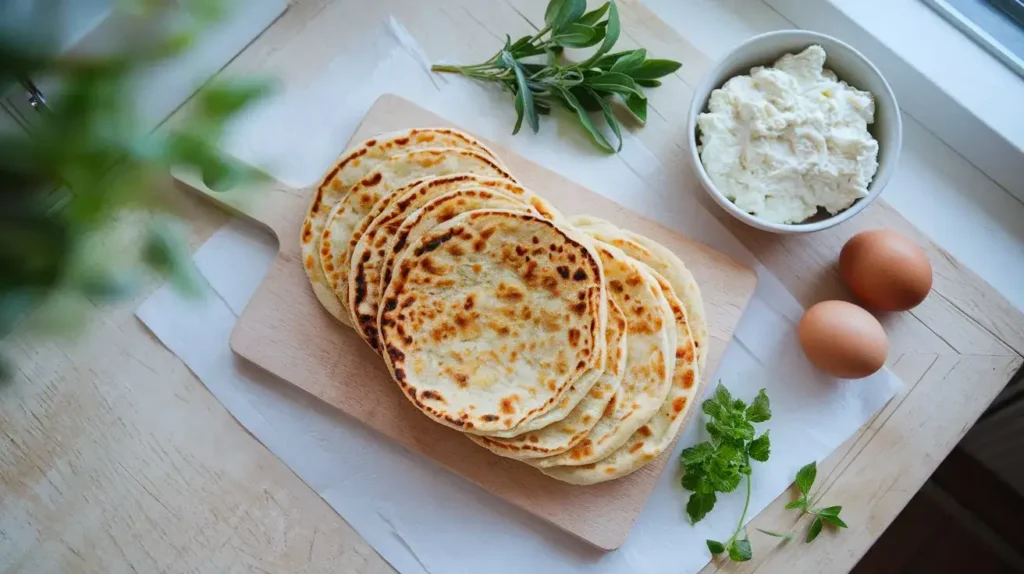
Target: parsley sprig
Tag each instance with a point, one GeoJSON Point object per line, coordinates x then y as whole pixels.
{"type": "Point", "coordinates": [828, 514]}
{"type": "Point", "coordinates": [720, 463]}
{"type": "Point", "coordinates": [533, 69]}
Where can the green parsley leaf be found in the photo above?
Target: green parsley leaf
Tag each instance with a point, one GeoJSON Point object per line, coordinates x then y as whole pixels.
{"type": "Point", "coordinates": [833, 519]}
{"type": "Point", "coordinates": [805, 477]}
{"type": "Point", "coordinates": [697, 454]}
{"type": "Point", "coordinates": [759, 410]}
{"type": "Point", "coordinates": [760, 448]}
{"type": "Point", "coordinates": [740, 551]}
{"type": "Point", "coordinates": [722, 395]}
{"type": "Point", "coordinates": [829, 511]}
{"type": "Point", "coordinates": [815, 529]}
{"type": "Point", "coordinates": [719, 464]}
{"type": "Point", "coordinates": [699, 505]}
{"type": "Point", "coordinates": [830, 514]}
{"type": "Point", "coordinates": [693, 480]}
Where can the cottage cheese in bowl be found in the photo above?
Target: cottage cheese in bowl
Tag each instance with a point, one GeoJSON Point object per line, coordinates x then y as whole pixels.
{"type": "Point", "coordinates": [789, 140]}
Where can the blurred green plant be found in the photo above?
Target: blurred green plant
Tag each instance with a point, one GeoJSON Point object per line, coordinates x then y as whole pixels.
{"type": "Point", "coordinates": [86, 160]}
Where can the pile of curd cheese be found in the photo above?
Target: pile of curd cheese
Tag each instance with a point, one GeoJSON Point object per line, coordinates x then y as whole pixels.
{"type": "Point", "coordinates": [788, 140]}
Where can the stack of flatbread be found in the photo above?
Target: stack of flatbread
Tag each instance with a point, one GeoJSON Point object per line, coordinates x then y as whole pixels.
{"type": "Point", "coordinates": [563, 342]}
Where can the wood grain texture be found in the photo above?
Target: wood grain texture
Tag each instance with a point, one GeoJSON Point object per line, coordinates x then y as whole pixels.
{"type": "Point", "coordinates": [285, 330]}
{"type": "Point", "coordinates": [215, 500]}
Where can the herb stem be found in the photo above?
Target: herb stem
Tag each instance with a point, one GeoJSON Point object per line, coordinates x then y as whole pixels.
{"type": "Point", "coordinates": [540, 33]}
{"type": "Point", "coordinates": [746, 505]}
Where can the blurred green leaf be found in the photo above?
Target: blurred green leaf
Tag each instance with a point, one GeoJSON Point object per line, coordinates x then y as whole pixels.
{"type": "Point", "coordinates": [226, 98]}
{"type": "Point", "coordinates": [167, 254]}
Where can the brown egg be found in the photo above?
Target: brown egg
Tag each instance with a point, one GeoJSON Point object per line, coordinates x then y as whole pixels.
{"type": "Point", "coordinates": [843, 340]}
{"type": "Point", "coordinates": [885, 270]}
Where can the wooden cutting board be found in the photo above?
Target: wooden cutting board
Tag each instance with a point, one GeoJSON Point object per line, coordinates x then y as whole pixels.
{"type": "Point", "coordinates": [286, 331]}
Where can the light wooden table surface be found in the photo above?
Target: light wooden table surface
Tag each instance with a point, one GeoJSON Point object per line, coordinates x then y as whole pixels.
{"type": "Point", "coordinates": [114, 457]}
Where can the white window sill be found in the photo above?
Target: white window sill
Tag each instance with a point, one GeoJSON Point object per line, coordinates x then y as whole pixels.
{"type": "Point", "coordinates": [954, 87]}
{"type": "Point", "coordinates": [935, 187]}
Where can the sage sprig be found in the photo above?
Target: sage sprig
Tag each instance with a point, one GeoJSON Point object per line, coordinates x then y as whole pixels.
{"type": "Point", "coordinates": [539, 76]}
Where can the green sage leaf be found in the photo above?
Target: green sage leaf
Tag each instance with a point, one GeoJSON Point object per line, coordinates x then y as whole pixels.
{"type": "Point", "coordinates": [616, 83]}
{"type": "Point", "coordinates": [591, 18]}
{"type": "Point", "coordinates": [609, 118]}
{"type": "Point", "coordinates": [654, 69]}
{"type": "Point", "coordinates": [575, 36]}
{"type": "Point", "coordinates": [561, 13]}
{"type": "Point", "coordinates": [519, 111]}
{"type": "Point", "coordinates": [637, 104]}
{"type": "Point", "coordinates": [529, 110]}
{"type": "Point", "coordinates": [647, 83]}
{"type": "Point", "coordinates": [629, 61]}
{"type": "Point", "coordinates": [611, 35]}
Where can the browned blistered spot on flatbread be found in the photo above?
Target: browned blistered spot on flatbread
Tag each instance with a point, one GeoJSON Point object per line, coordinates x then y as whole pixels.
{"type": "Point", "coordinates": [477, 268]}
{"type": "Point", "coordinates": [509, 293]}
{"type": "Point", "coordinates": [636, 447]}
{"type": "Point", "coordinates": [307, 232]}
{"type": "Point", "coordinates": [470, 301]}
{"type": "Point", "coordinates": [679, 404]}
{"type": "Point", "coordinates": [616, 285]}
{"type": "Point", "coordinates": [489, 417]}
{"type": "Point", "coordinates": [579, 275]}
{"type": "Point", "coordinates": [563, 271]}
{"type": "Point", "coordinates": [688, 379]}
{"type": "Point", "coordinates": [402, 141]}
{"type": "Point", "coordinates": [499, 328]}
{"type": "Point", "coordinates": [442, 332]}
{"type": "Point", "coordinates": [533, 438]}
{"type": "Point", "coordinates": [508, 404]}
{"type": "Point", "coordinates": [685, 353]}
{"type": "Point", "coordinates": [430, 266]}
{"type": "Point", "coordinates": [309, 262]}
{"type": "Point", "coordinates": [432, 396]}
{"type": "Point", "coordinates": [551, 284]}
{"type": "Point", "coordinates": [436, 242]}
{"type": "Point", "coordinates": [424, 137]}
{"type": "Point", "coordinates": [645, 431]}
{"type": "Point", "coordinates": [372, 179]}
{"type": "Point", "coordinates": [574, 337]}
{"type": "Point", "coordinates": [529, 275]}
{"type": "Point", "coordinates": [580, 308]}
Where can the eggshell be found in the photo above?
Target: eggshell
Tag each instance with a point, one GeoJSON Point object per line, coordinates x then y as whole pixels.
{"type": "Point", "coordinates": [886, 270]}
{"type": "Point", "coordinates": [843, 340]}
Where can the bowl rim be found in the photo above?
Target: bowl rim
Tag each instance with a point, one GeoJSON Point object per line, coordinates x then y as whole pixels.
{"type": "Point", "coordinates": [712, 81]}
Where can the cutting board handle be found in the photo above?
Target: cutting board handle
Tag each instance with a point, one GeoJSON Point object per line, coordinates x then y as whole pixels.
{"type": "Point", "coordinates": [269, 202]}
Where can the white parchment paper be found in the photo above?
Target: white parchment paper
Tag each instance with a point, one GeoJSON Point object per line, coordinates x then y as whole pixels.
{"type": "Point", "coordinates": [417, 515]}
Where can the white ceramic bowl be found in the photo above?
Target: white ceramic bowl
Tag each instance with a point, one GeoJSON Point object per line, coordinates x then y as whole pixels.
{"type": "Point", "coordinates": [849, 65]}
